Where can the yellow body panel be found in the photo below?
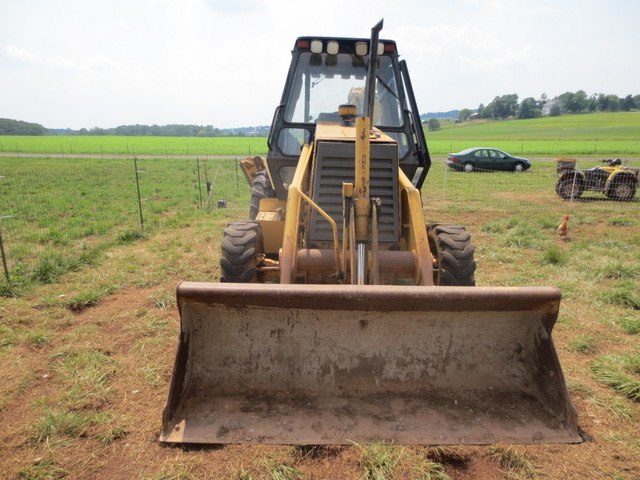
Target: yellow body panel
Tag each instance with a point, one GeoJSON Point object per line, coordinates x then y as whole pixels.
{"type": "Point", "coordinates": [271, 220]}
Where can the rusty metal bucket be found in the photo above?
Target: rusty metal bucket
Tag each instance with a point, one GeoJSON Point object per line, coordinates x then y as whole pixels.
{"type": "Point", "coordinates": [330, 364]}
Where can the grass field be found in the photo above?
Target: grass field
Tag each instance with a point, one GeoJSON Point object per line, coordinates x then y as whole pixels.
{"type": "Point", "coordinates": [587, 127]}
{"type": "Point", "coordinates": [87, 342]}
{"type": "Point", "coordinates": [596, 134]}
{"type": "Point", "coordinates": [130, 146]}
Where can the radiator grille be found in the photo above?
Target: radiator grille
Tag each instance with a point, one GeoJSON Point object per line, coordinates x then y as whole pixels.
{"type": "Point", "coordinates": [335, 165]}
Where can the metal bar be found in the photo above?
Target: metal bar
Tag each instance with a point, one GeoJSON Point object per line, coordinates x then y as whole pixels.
{"type": "Point", "coordinates": [290, 239]}
{"type": "Point", "coordinates": [361, 191]}
{"type": "Point", "coordinates": [375, 215]}
{"type": "Point", "coordinates": [370, 88]}
{"type": "Point", "coordinates": [199, 185]}
{"type": "Point", "coordinates": [334, 229]}
{"type": "Point", "coordinates": [4, 260]}
{"type": "Point", "coordinates": [389, 261]}
{"type": "Point", "coordinates": [418, 239]}
{"type": "Point", "coordinates": [135, 164]}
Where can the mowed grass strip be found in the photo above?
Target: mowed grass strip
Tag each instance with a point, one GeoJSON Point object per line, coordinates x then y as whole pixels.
{"type": "Point", "coordinates": [130, 146]}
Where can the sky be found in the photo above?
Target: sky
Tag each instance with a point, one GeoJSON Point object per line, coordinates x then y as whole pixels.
{"type": "Point", "coordinates": [104, 63]}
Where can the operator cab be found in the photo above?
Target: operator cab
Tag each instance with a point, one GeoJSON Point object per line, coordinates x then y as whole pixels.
{"type": "Point", "coordinates": [328, 72]}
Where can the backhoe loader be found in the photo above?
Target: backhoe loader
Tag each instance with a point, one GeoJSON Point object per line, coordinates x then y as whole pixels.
{"type": "Point", "coordinates": [340, 316]}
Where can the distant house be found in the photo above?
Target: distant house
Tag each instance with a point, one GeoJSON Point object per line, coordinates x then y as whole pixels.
{"type": "Point", "coordinates": [546, 108]}
{"type": "Point", "coordinates": [474, 116]}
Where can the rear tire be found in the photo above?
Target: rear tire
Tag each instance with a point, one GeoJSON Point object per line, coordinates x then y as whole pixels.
{"type": "Point", "coordinates": [622, 189]}
{"type": "Point", "coordinates": [468, 167]}
{"type": "Point", "coordinates": [240, 248]}
{"type": "Point", "coordinates": [570, 189]}
{"type": "Point", "coordinates": [260, 188]}
{"type": "Point", "coordinates": [454, 253]}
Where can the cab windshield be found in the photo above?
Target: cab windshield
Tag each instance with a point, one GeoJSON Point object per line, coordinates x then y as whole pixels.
{"type": "Point", "coordinates": [323, 82]}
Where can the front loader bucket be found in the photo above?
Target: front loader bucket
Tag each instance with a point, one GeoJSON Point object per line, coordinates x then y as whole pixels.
{"type": "Point", "coordinates": [331, 364]}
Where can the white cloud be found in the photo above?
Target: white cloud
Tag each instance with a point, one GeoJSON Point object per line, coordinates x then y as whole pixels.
{"type": "Point", "coordinates": [22, 55]}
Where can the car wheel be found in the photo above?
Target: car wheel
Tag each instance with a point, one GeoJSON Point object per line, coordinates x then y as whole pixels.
{"type": "Point", "coordinates": [468, 167]}
{"type": "Point", "coordinates": [570, 188]}
{"type": "Point", "coordinates": [518, 167]}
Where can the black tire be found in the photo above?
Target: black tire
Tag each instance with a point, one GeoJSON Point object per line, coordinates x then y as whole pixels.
{"type": "Point", "coordinates": [518, 167]}
{"type": "Point", "coordinates": [623, 188]}
{"type": "Point", "coordinates": [468, 167]}
{"type": "Point", "coordinates": [570, 189]}
{"type": "Point", "coordinates": [260, 188]}
{"type": "Point", "coordinates": [240, 248]}
{"type": "Point", "coordinates": [454, 253]}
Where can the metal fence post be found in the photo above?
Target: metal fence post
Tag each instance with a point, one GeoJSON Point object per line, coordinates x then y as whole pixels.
{"type": "Point", "coordinates": [199, 183]}
{"type": "Point", "coordinates": [4, 256]}
{"type": "Point", "coordinates": [135, 164]}
{"type": "Point", "coordinates": [4, 260]}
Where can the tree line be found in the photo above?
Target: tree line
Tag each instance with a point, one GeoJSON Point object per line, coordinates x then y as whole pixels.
{"type": "Point", "coordinates": [174, 130]}
{"type": "Point", "coordinates": [507, 106]}
{"type": "Point", "coordinates": [17, 127]}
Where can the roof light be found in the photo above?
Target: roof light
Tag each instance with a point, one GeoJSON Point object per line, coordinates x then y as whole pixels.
{"type": "Point", "coordinates": [332, 47]}
{"type": "Point", "coordinates": [303, 44]}
{"type": "Point", "coordinates": [380, 48]}
{"type": "Point", "coordinates": [389, 47]}
{"type": "Point", "coordinates": [361, 48]}
{"type": "Point", "coordinates": [316, 46]}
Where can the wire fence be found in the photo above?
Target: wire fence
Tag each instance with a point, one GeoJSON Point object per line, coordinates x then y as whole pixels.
{"type": "Point", "coordinates": [117, 146]}
{"type": "Point", "coordinates": [57, 210]}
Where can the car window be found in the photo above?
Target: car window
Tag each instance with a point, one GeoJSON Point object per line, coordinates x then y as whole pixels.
{"type": "Point", "coordinates": [481, 154]}
{"type": "Point", "coordinates": [495, 154]}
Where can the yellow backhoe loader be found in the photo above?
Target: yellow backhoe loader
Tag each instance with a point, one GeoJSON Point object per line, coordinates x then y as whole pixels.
{"type": "Point", "coordinates": [340, 315]}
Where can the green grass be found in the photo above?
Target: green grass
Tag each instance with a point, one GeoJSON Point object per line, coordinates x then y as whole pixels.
{"type": "Point", "coordinates": [604, 134]}
{"type": "Point", "coordinates": [89, 298]}
{"type": "Point", "coordinates": [43, 469]}
{"type": "Point", "coordinates": [513, 461]}
{"type": "Point", "coordinates": [86, 375]}
{"type": "Point", "coordinates": [63, 214]}
{"type": "Point", "coordinates": [597, 126]}
{"type": "Point", "coordinates": [583, 344]}
{"type": "Point", "coordinates": [630, 325]}
{"type": "Point", "coordinates": [379, 461]}
{"type": "Point", "coordinates": [130, 146]}
{"type": "Point", "coordinates": [621, 372]}
{"type": "Point", "coordinates": [59, 423]}
{"type": "Point", "coordinates": [624, 294]}
{"type": "Point", "coordinates": [555, 256]}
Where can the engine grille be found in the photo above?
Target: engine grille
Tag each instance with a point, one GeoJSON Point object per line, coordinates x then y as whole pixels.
{"type": "Point", "coordinates": [335, 165]}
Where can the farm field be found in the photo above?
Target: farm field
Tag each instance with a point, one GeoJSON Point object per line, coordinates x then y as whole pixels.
{"type": "Point", "coordinates": [130, 146]}
{"type": "Point", "coordinates": [596, 134]}
{"type": "Point", "coordinates": [89, 325]}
